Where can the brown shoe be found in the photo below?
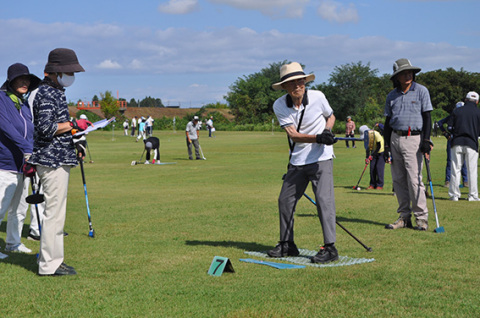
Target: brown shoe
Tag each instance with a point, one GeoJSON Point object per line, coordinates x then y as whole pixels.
{"type": "Point", "coordinates": [370, 188]}
{"type": "Point", "coordinates": [447, 184]}
{"type": "Point", "coordinates": [422, 225]}
{"type": "Point", "coordinates": [400, 223]}
{"type": "Point", "coordinates": [379, 188]}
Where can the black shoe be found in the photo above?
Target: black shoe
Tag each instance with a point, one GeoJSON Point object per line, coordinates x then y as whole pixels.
{"type": "Point", "coordinates": [62, 270]}
{"type": "Point", "coordinates": [32, 237]}
{"type": "Point", "coordinates": [65, 233]}
{"type": "Point", "coordinates": [284, 249]}
{"type": "Point", "coordinates": [326, 254]}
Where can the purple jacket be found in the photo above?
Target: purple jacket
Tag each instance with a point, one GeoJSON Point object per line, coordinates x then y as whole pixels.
{"type": "Point", "coordinates": [16, 134]}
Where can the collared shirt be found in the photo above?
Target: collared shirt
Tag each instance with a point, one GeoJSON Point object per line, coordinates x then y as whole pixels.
{"type": "Point", "coordinates": [405, 109]}
{"type": "Point", "coordinates": [192, 130]}
{"type": "Point", "coordinates": [313, 123]}
{"type": "Point", "coordinates": [49, 109]}
{"type": "Point", "coordinates": [349, 127]}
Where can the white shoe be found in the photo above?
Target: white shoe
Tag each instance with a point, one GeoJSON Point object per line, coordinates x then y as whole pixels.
{"type": "Point", "coordinates": [2, 256]}
{"type": "Point", "coordinates": [17, 248]}
{"type": "Point", "coordinates": [158, 162]}
{"type": "Point", "coordinates": [146, 162]}
{"type": "Point", "coordinates": [473, 199]}
{"type": "Point", "coordinates": [453, 199]}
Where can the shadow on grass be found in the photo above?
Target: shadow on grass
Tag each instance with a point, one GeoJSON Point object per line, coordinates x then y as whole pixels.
{"type": "Point", "coordinates": [247, 246]}
{"type": "Point", "coordinates": [27, 261]}
{"type": "Point", "coordinates": [346, 220]}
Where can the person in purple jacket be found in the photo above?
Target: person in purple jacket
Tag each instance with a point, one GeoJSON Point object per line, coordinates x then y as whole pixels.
{"type": "Point", "coordinates": [16, 146]}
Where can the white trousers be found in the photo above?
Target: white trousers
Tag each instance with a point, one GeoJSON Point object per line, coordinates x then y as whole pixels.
{"type": "Point", "coordinates": [11, 189]}
{"type": "Point", "coordinates": [55, 186]}
{"type": "Point", "coordinates": [459, 155]}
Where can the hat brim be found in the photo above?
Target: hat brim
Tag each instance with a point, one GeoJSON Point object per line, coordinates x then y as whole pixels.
{"type": "Point", "coordinates": [400, 70]}
{"type": "Point", "coordinates": [308, 78]}
{"type": "Point", "coordinates": [34, 82]}
{"type": "Point", "coordinates": [72, 68]}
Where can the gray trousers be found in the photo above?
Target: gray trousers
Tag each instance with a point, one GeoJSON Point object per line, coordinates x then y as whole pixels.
{"type": "Point", "coordinates": [320, 174]}
{"type": "Point", "coordinates": [406, 169]}
{"type": "Point", "coordinates": [196, 145]}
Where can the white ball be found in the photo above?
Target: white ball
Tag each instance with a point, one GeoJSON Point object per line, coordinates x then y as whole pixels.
{"type": "Point", "coordinates": [358, 188]}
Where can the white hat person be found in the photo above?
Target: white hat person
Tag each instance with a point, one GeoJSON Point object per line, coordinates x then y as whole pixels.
{"type": "Point", "coordinates": [290, 72]}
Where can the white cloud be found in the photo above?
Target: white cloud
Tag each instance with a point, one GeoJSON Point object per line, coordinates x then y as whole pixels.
{"type": "Point", "coordinates": [334, 11]}
{"type": "Point", "coordinates": [176, 60]}
{"type": "Point", "coordinates": [178, 6]}
{"type": "Point", "coordinates": [109, 65]}
{"type": "Point", "coordinates": [274, 8]}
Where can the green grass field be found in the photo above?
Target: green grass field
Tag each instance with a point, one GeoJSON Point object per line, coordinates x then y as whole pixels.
{"type": "Point", "coordinates": [159, 227]}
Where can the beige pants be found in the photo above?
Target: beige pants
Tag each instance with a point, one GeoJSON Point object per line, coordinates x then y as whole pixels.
{"type": "Point", "coordinates": [55, 185]}
{"type": "Point", "coordinates": [407, 176]}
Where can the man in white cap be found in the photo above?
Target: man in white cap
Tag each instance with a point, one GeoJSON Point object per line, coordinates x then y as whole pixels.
{"type": "Point", "coordinates": [308, 119]}
{"type": "Point", "coordinates": [407, 138]}
{"type": "Point", "coordinates": [54, 156]}
{"type": "Point", "coordinates": [448, 134]}
{"type": "Point", "coordinates": [191, 132]}
{"type": "Point", "coordinates": [465, 123]}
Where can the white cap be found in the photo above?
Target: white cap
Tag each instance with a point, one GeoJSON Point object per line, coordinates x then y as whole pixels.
{"type": "Point", "coordinates": [472, 96]}
{"type": "Point", "coordinates": [83, 116]}
{"type": "Point", "coordinates": [363, 129]}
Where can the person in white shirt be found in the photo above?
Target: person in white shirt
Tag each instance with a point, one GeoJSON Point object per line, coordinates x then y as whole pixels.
{"type": "Point", "coordinates": [308, 119]}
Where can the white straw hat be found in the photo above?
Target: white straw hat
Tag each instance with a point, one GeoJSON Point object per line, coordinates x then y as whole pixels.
{"type": "Point", "coordinates": [290, 72]}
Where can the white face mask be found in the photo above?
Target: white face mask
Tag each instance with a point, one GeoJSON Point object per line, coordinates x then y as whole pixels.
{"type": "Point", "coordinates": [66, 80]}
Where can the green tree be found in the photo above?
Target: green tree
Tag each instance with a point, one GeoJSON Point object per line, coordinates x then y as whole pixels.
{"type": "Point", "coordinates": [95, 98]}
{"type": "Point", "coordinates": [151, 102]}
{"type": "Point", "coordinates": [447, 87]}
{"type": "Point", "coordinates": [251, 98]}
{"type": "Point", "coordinates": [108, 104]}
{"type": "Point", "coordinates": [350, 89]}
{"type": "Point", "coordinates": [132, 103]}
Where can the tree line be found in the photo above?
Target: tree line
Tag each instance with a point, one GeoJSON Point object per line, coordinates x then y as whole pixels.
{"type": "Point", "coordinates": [353, 89]}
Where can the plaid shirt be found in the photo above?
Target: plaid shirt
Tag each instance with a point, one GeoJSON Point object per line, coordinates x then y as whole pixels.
{"type": "Point", "coordinates": [50, 108]}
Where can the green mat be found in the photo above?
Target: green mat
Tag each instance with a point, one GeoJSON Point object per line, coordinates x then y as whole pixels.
{"type": "Point", "coordinates": [306, 255]}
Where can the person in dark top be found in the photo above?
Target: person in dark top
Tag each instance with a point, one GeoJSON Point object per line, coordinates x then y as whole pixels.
{"type": "Point", "coordinates": [465, 123]}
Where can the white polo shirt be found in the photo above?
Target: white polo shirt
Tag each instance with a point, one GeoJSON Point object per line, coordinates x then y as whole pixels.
{"type": "Point", "coordinates": [313, 123]}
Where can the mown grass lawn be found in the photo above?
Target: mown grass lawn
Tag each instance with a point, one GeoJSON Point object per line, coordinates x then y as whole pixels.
{"type": "Point", "coordinates": [159, 227]}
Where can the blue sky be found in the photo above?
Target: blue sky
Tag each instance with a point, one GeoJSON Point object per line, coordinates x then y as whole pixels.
{"type": "Point", "coordinates": [188, 52]}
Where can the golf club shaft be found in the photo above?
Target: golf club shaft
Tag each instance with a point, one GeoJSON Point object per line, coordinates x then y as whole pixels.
{"type": "Point", "coordinates": [369, 249]}
{"type": "Point", "coordinates": [88, 149]}
{"type": "Point", "coordinates": [361, 176]}
{"type": "Point", "coordinates": [86, 195]}
{"type": "Point", "coordinates": [348, 138]}
{"type": "Point", "coordinates": [427, 165]}
{"type": "Point", "coordinates": [201, 151]}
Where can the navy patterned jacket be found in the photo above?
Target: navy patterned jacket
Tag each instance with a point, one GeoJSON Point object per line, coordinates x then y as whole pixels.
{"type": "Point", "coordinates": [50, 108]}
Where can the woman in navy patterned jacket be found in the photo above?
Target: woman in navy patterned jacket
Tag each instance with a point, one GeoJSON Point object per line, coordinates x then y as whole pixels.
{"type": "Point", "coordinates": [54, 156]}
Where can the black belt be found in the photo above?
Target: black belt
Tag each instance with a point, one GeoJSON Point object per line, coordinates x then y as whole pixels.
{"type": "Point", "coordinates": [405, 132]}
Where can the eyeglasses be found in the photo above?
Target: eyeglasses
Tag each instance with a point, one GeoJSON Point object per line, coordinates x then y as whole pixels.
{"type": "Point", "coordinates": [297, 82]}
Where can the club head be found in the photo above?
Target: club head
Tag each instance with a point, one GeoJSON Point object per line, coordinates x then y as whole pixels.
{"type": "Point", "coordinates": [91, 233]}
{"type": "Point", "coordinates": [36, 198]}
{"type": "Point", "coordinates": [439, 230]}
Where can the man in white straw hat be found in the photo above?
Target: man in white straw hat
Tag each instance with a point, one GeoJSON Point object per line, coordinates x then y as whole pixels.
{"type": "Point", "coordinates": [407, 139]}
{"type": "Point", "coordinates": [308, 120]}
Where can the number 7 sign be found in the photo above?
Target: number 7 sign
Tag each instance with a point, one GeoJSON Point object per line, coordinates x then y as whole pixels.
{"type": "Point", "coordinates": [219, 265]}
